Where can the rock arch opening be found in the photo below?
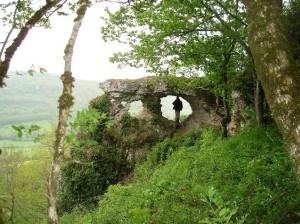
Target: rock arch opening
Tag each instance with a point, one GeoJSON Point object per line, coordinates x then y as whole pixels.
{"type": "Point", "coordinates": [167, 107]}
{"type": "Point", "coordinates": [136, 107]}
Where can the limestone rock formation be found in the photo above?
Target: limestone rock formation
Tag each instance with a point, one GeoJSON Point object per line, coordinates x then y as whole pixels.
{"type": "Point", "coordinates": [150, 90]}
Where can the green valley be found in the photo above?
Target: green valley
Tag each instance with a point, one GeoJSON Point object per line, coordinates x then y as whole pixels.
{"type": "Point", "coordinates": [33, 100]}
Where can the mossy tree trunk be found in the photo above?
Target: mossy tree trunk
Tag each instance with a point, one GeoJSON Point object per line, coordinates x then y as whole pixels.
{"type": "Point", "coordinates": [225, 95]}
{"type": "Point", "coordinates": [276, 70]}
{"type": "Point", "coordinates": [65, 104]}
{"type": "Point", "coordinates": [259, 99]}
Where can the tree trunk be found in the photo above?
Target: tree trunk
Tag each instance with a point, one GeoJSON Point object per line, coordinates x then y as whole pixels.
{"type": "Point", "coordinates": [65, 104]}
{"type": "Point", "coordinates": [259, 101]}
{"type": "Point", "coordinates": [276, 70]}
{"type": "Point", "coordinates": [226, 118]}
{"type": "Point", "coordinates": [224, 82]}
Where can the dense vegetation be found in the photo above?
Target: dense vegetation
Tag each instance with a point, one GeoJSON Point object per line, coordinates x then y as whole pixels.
{"type": "Point", "coordinates": [107, 151]}
{"type": "Point", "coordinates": [196, 178]}
{"type": "Point", "coordinates": [201, 178]}
{"type": "Point", "coordinates": [22, 182]}
{"type": "Point", "coordinates": [83, 182]}
{"type": "Point", "coordinates": [33, 99]}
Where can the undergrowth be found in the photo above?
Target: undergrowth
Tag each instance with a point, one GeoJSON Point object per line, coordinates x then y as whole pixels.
{"type": "Point", "coordinates": [205, 179]}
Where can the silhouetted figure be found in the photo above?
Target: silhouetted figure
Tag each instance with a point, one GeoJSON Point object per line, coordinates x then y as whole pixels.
{"type": "Point", "coordinates": [177, 107]}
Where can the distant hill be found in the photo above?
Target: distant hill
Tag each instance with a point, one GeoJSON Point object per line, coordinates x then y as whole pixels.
{"type": "Point", "coordinates": [33, 99]}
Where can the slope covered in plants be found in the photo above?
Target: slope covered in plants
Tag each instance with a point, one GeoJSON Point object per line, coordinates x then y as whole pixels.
{"type": "Point", "coordinates": [201, 178]}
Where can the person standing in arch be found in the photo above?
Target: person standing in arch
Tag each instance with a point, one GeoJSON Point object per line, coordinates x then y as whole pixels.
{"type": "Point", "coordinates": [177, 107]}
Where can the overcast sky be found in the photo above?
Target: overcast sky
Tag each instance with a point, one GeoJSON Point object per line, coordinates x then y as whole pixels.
{"type": "Point", "coordinates": [91, 54]}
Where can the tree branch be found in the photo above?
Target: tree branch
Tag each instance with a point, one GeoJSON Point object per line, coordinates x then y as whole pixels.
{"type": "Point", "coordinates": [10, 51]}
{"type": "Point", "coordinates": [10, 31]}
{"type": "Point", "coordinates": [228, 28]}
{"type": "Point", "coordinates": [232, 15]}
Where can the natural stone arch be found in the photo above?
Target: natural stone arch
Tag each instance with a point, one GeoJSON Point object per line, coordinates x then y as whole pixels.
{"type": "Point", "coordinates": [151, 89]}
{"type": "Point", "coordinates": [167, 107]}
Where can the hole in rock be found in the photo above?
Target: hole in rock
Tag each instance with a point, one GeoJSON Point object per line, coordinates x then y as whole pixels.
{"type": "Point", "coordinates": [167, 108]}
{"type": "Point", "coordinates": [136, 107]}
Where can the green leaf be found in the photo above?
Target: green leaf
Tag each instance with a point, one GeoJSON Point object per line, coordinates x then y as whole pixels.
{"type": "Point", "coordinates": [211, 192]}
{"type": "Point", "coordinates": [31, 72]}
{"type": "Point", "coordinates": [19, 129]}
{"type": "Point", "coordinates": [43, 70]}
{"type": "Point", "coordinates": [38, 138]}
{"type": "Point", "coordinates": [91, 143]}
{"type": "Point", "coordinates": [71, 137]}
{"type": "Point", "coordinates": [109, 123]}
{"type": "Point", "coordinates": [33, 128]}
{"type": "Point", "coordinates": [223, 212]}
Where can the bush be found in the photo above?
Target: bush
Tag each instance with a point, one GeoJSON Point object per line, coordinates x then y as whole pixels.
{"type": "Point", "coordinates": [101, 103]}
{"type": "Point", "coordinates": [161, 151]}
{"type": "Point", "coordinates": [94, 165]}
{"type": "Point", "coordinates": [84, 182]}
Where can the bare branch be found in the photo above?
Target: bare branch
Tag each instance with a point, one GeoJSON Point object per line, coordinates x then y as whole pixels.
{"type": "Point", "coordinates": [11, 30]}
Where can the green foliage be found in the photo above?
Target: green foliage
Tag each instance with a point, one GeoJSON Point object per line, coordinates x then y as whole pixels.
{"type": "Point", "coordinates": [101, 155]}
{"type": "Point", "coordinates": [22, 11]}
{"type": "Point", "coordinates": [171, 37]}
{"type": "Point", "coordinates": [246, 179]}
{"type": "Point", "coordinates": [125, 120]}
{"type": "Point", "coordinates": [128, 124]}
{"type": "Point", "coordinates": [93, 166]}
{"type": "Point", "coordinates": [153, 105]}
{"type": "Point", "coordinates": [101, 103]}
{"type": "Point", "coordinates": [33, 128]}
{"type": "Point", "coordinates": [76, 216]}
{"type": "Point", "coordinates": [32, 71]}
{"type": "Point", "coordinates": [22, 184]}
{"type": "Point", "coordinates": [218, 211]}
{"type": "Point", "coordinates": [85, 126]}
{"type": "Point", "coordinates": [188, 39]}
{"type": "Point", "coordinates": [21, 128]}
{"type": "Point", "coordinates": [183, 84]}
{"type": "Point", "coordinates": [135, 134]}
{"type": "Point", "coordinates": [85, 181]}
{"type": "Point", "coordinates": [162, 151]}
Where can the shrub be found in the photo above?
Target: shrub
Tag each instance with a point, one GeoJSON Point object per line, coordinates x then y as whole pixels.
{"type": "Point", "coordinates": [84, 181]}
{"type": "Point", "coordinates": [101, 103]}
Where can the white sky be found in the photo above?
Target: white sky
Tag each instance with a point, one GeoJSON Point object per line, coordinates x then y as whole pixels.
{"type": "Point", "coordinates": [91, 54]}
